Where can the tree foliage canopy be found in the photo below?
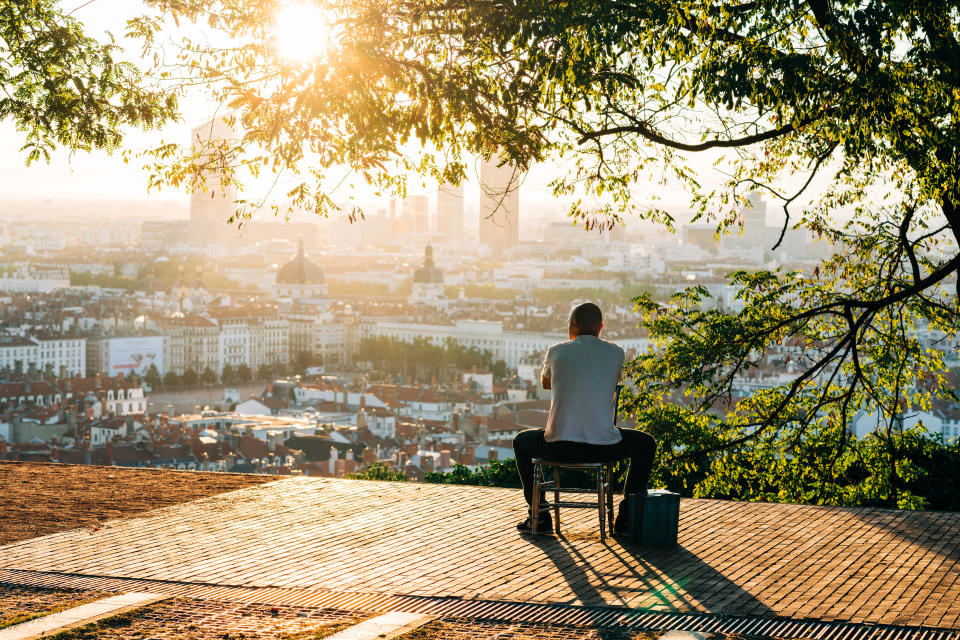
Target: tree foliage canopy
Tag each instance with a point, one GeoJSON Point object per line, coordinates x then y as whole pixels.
{"type": "Point", "coordinates": [63, 88]}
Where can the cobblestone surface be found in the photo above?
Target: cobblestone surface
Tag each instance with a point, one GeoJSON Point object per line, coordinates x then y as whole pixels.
{"type": "Point", "coordinates": [827, 563]}
{"type": "Point", "coordinates": [188, 619]}
{"type": "Point", "coordinates": [19, 604]}
{"type": "Point", "coordinates": [55, 497]}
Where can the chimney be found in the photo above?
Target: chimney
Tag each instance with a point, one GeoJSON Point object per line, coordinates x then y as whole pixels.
{"type": "Point", "coordinates": [350, 454]}
{"type": "Point", "coordinates": [456, 421]}
{"type": "Point", "coordinates": [3, 447]}
{"type": "Point", "coordinates": [426, 463]}
{"type": "Point", "coordinates": [63, 372]}
{"type": "Point", "coordinates": [14, 428]}
{"type": "Point", "coordinates": [109, 452]}
{"type": "Point", "coordinates": [363, 401]}
{"type": "Point", "coordinates": [87, 455]}
{"type": "Point", "coordinates": [368, 456]}
{"type": "Point", "coordinates": [492, 454]}
{"type": "Point", "coordinates": [467, 456]}
{"type": "Point", "coordinates": [334, 454]}
{"type": "Point", "coordinates": [97, 380]}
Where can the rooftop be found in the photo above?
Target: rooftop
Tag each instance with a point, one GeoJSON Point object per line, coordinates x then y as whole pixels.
{"type": "Point", "coordinates": [352, 542]}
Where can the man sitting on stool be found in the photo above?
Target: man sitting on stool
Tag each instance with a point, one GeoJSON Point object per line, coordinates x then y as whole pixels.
{"type": "Point", "coordinates": [583, 375]}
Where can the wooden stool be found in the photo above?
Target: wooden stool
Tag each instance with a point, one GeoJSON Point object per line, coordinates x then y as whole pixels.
{"type": "Point", "coordinates": [603, 491]}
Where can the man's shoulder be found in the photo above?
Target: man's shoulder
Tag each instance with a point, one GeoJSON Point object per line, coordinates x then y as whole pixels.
{"type": "Point", "coordinates": [613, 346]}
{"type": "Point", "coordinates": [614, 350]}
{"type": "Point", "coordinates": [558, 345]}
{"type": "Point", "coordinates": [574, 347]}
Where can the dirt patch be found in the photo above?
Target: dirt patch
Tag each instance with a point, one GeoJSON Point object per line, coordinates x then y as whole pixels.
{"type": "Point", "coordinates": [48, 498]}
{"type": "Point", "coordinates": [189, 619]}
{"type": "Point", "coordinates": [19, 604]}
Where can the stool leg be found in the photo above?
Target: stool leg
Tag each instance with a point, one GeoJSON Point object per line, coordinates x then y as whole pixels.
{"type": "Point", "coordinates": [610, 497]}
{"type": "Point", "coordinates": [556, 500]}
{"type": "Point", "coordinates": [535, 507]}
{"type": "Point", "coordinates": [601, 501]}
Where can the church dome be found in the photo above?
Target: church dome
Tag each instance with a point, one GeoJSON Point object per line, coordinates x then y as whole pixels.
{"type": "Point", "coordinates": [300, 271]}
{"type": "Point", "coordinates": [428, 273]}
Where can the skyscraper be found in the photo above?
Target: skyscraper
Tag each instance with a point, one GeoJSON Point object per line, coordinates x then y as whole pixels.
{"type": "Point", "coordinates": [450, 211]}
{"type": "Point", "coordinates": [212, 205]}
{"type": "Point", "coordinates": [415, 210]}
{"type": "Point", "coordinates": [499, 205]}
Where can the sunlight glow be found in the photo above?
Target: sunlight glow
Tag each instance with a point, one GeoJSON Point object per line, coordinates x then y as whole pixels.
{"type": "Point", "coordinates": [303, 32]}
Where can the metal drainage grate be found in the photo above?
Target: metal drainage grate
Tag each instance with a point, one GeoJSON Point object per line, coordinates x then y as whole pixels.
{"type": "Point", "coordinates": [492, 610]}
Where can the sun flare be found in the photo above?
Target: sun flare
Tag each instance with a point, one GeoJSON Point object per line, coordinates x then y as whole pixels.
{"type": "Point", "coordinates": [303, 32]}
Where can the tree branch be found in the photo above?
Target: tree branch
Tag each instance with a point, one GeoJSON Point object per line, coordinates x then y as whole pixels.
{"type": "Point", "coordinates": [647, 132]}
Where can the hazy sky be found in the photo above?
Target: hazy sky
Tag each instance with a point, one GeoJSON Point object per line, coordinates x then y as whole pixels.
{"type": "Point", "coordinates": [99, 175]}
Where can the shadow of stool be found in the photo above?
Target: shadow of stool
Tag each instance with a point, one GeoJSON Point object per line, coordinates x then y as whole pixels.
{"type": "Point", "coordinates": [603, 491]}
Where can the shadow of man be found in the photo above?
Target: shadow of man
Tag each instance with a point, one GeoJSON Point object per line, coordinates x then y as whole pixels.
{"type": "Point", "coordinates": [642, 579]}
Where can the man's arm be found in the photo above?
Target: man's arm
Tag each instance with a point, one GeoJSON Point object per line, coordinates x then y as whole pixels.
{"type": "Point", "coordinates": [545, 372]}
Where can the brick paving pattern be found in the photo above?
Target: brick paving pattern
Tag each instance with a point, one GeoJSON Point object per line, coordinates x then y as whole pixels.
{"type": "Point", "coordinates": [464, 629]}
{"type": "Point", "coordinates": [18, 604]}
{"type": "Point", "coordinates": [187, 619]}
{"type": "Point", "coordinates": [855, 565]}
{"type": "Point", "coordinates": [55, 497]}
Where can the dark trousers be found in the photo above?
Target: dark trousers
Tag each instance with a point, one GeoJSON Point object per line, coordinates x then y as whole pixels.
{"type": "Point", "coordinates": [638, 446]}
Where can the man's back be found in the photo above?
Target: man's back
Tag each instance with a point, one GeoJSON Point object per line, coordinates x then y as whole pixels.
{"type": "Point", "coordinates": [583, 374]}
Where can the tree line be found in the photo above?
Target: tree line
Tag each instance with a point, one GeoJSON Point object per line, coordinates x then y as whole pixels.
{"type": "Point", "coordinates": [228, 375]}
{"type": "Point", "coordinates": [421, 360]}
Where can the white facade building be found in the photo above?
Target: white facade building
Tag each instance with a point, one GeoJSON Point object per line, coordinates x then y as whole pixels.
{"type": "Point", "coordinates": [29, 283]}
{"type": "Point", "coordinates": [44, 353]}
{"type": "Point", "coordinates": [62, 353]}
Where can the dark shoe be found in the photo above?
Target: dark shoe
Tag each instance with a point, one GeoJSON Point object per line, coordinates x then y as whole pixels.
{"type": "Point", "coordinates": [621, 526]}
{"type": "Point", "coordinates": [545, 526]}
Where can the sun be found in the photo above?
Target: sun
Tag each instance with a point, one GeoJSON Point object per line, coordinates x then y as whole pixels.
{"type": "Point", "coordinates": [303, 32]}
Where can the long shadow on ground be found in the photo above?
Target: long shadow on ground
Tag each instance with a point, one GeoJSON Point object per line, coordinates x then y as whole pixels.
{"type": "Point", "coordinates": [645, 579]}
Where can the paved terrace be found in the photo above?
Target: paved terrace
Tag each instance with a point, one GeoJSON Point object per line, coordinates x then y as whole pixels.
{"type": "Point", "coordinates": [314, 534]}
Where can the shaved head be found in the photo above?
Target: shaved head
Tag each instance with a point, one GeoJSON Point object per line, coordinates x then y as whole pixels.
{"type": "Point", "coordinates": [586, 319]}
